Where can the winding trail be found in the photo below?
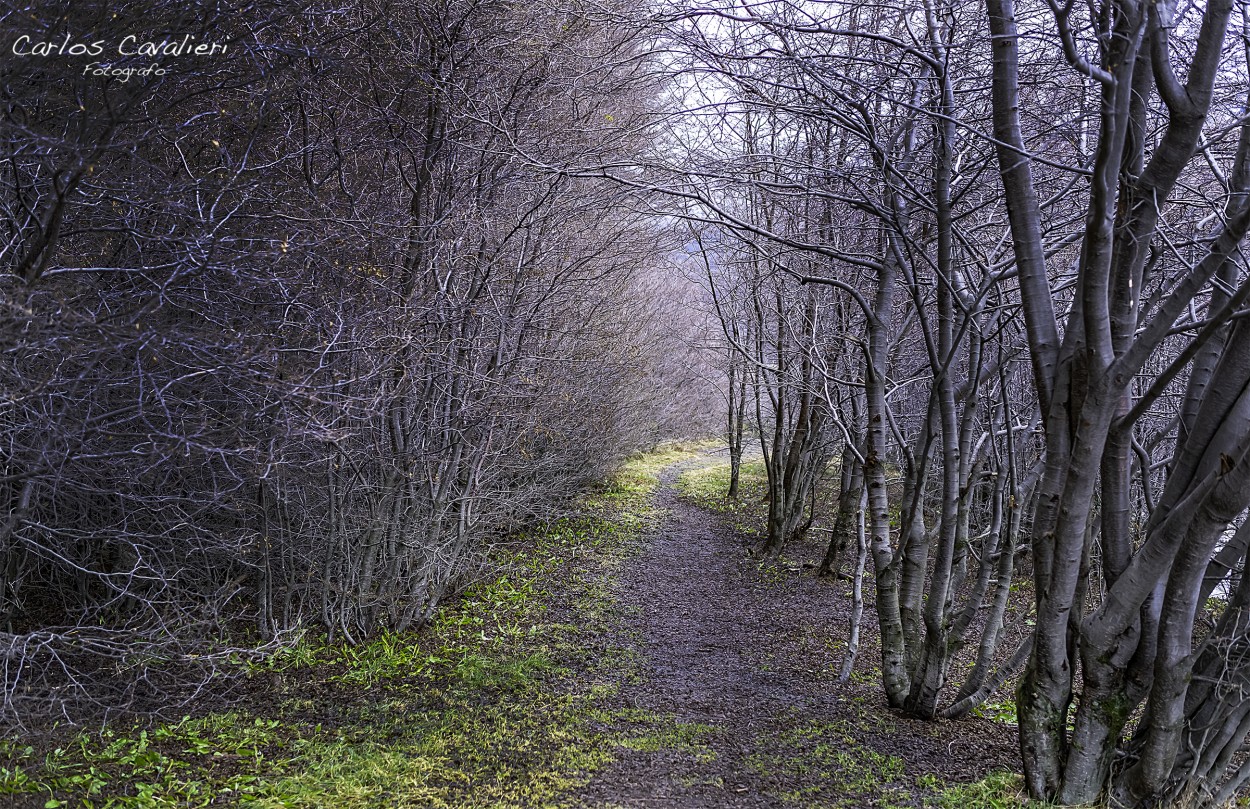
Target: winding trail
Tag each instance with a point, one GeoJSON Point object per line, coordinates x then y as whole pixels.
{"type": "Point", "coordinates": [746, 660]}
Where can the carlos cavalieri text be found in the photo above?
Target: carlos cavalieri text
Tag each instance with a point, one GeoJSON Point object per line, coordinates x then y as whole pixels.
{"type": "Point", "coordinates": [128, 46]}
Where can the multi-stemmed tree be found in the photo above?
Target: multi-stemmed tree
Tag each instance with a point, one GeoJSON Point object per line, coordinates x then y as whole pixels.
{"type": "Point", "coordinates": [1054, 356]}
{"type": "Point", "coordinates": [856, 194]}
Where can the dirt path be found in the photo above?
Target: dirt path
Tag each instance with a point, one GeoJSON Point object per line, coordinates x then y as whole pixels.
{"type": "Point", "coordinates": [745, 659]}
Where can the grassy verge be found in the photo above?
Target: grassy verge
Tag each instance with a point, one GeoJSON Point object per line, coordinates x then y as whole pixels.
{"type": "Point", "coordinates": [706, 488]}
{"type": "Point", "coordinates": [503, 702]}
{"type": "Point", "coordinates": [997, 790]}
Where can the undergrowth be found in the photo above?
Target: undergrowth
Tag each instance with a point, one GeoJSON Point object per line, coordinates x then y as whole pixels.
{"type": "Point", "coordinates": [500, 703]}
{"type": "Point", "coordinates": [509, 699]}
{"type": "Point", "coordinates": [747, 514]}
{"type": "Point", "coordinates": [997, 790]}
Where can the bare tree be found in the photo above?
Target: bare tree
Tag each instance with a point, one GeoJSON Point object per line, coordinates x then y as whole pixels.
{"type": "Point", "coordinates": [1159, 136]}
{"type": "Point", "coordinates": [293, 332]}
{"type": "Point", "coordinates": [859, 187]}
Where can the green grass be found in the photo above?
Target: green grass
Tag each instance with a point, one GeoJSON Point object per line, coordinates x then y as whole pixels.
{"type": "Point", "coordinates": [509, 699]}
{"type": "Point", "coordinates": [652, 734]}
{"type": "Point", "coordinates": [497, 704]}
{"type": "Point", "coordinates": [1001, 710]}
{"type": "Point", "coordinates": [830, 765]}
{"type": "Point", "coordinates": [747, 514]}
{"type": "Point", "coordinates": [998, 790]}
{"type": "Point", "coordinates": [827, 765]}
{"type": "Point", "coordinates": [708, 488]}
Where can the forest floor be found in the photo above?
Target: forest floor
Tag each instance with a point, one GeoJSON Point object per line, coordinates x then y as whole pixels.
{"type": "Point", "coordinates": [631, 654]}
{"type": "Point", "coordinates": [749, 653]}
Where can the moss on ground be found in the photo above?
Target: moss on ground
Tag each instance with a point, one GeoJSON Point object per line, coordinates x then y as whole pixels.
{"type": "Point", "coordinates": [707, 486]}
{"type": "Point", "coordinates": [510, 699]}
{"type": "Point", "coordinates": [502, 702]}
{"type": "Point", "coordinates": [826, 765]}
{"type": "Point", "coordinates": [997, 790]}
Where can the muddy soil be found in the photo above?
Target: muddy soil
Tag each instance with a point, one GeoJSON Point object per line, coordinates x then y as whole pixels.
{"type": "Point", "coordinates": [749, 655]}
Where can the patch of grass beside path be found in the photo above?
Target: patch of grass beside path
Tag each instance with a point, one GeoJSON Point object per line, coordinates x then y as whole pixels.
{"type": "Point", "coordinates": [828, 766]}
{"type": "Point", "coordinates": [502, 702]}
{"type": "Point", "coordinates": [706, 487]}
